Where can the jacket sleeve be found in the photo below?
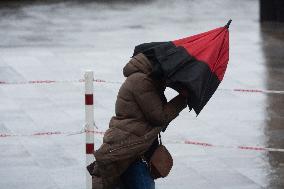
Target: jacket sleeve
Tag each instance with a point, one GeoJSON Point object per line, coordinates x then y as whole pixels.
{"type": "Point", "coordinates": [155, 111]}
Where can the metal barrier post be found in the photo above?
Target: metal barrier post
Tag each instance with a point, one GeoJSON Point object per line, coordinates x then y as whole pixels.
{"type": "Point", "coordinates": [89, 116]}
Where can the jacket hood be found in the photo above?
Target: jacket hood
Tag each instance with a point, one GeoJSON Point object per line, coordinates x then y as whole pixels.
{"type": "Point", "coordinates": [138, 63]}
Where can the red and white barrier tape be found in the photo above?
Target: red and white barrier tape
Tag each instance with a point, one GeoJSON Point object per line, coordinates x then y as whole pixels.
{"type": "Point", "coordinates": [253, 91]}
{"type": "Point", "coordinates": [190, 142]}
{"type": "Point", "coordinates": [253, 148]}
{"type": "Point", "coordinates": [53, 81]}
{"type": "Point", "coordinates": [48, 133]}
{"type": "Point", "coordinates": [118, 82]}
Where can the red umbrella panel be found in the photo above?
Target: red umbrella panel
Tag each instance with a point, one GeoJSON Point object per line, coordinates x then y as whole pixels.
{"type": "Point", "coordinates": [196, 63]}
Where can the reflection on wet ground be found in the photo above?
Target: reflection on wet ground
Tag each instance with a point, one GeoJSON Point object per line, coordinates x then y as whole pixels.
{"type": "Point", "coordinates": [273, 49]}
{"type": "Point", "coordinates": [56, 40]}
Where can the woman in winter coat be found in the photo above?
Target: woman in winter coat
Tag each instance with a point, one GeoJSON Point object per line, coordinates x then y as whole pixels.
{"type": "Point", "coordinates": [142, 112]}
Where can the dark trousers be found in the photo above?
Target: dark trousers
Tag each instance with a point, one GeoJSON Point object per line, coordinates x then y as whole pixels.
{"type": "Point", "coordinates": [137, 176]}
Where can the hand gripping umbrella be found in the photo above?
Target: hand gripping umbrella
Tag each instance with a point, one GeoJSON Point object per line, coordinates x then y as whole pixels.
{"type": "Point", "coordinates": [196, 63]}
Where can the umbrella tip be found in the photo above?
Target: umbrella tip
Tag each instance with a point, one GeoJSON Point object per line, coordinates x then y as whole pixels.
{"type": "Point", "coordinates": [228, 24]}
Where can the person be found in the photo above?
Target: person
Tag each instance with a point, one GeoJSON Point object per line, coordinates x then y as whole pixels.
{"type": "Point", "coordinates": [141, 113]}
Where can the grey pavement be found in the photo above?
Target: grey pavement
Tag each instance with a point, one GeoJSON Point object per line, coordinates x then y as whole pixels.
{"type": "Point", "coordinates": [60, 39]}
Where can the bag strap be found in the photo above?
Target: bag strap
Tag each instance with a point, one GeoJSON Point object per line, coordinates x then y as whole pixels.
{"type": "Point", "coordinates": [160, 138]}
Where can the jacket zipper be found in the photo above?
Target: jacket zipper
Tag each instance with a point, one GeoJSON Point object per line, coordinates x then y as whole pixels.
{"type": "Point", "coordinates": [119, 148]}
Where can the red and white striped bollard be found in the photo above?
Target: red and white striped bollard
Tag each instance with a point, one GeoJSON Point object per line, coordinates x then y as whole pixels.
{"type": "Point", "coordinates": [89, 116]}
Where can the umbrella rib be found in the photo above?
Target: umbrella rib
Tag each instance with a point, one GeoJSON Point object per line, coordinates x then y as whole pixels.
{"type": "Point", "coordinates": [222, 46]}
{"type": "Point", "coordinates": [207, 33]}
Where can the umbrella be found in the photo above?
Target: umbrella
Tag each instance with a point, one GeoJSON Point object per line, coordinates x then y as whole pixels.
{"type": "Point", "coordinates": [196, 63]}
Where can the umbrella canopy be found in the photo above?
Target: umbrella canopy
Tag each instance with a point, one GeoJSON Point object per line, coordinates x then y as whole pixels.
{"type": "Point", "coordinates": [196, 63]}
